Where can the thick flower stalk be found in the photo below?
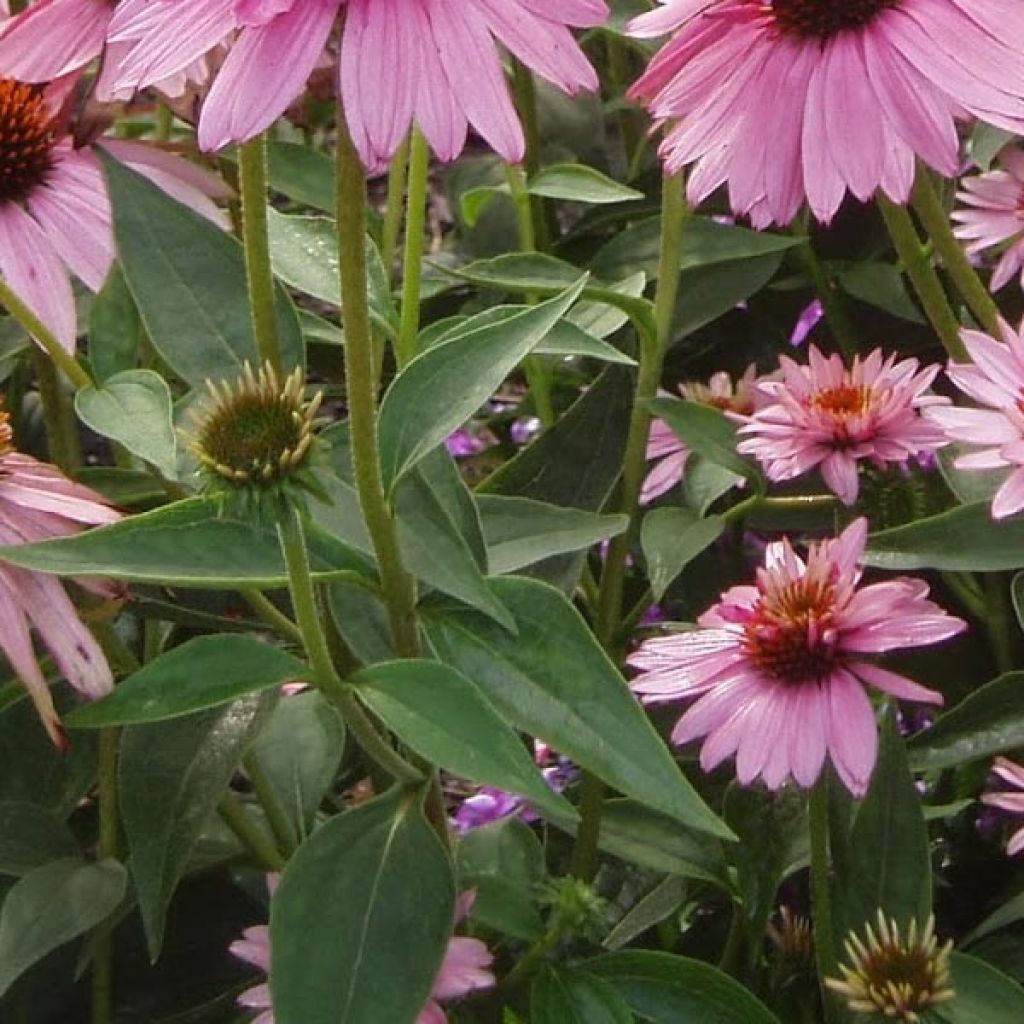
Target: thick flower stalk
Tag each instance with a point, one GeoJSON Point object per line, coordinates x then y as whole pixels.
{"type": "Point", "coordinates": [445, 70]}
{"type": "Point", "coordinates": [788, 101]}
{"type": "Point", "coordinates": [780, 667]}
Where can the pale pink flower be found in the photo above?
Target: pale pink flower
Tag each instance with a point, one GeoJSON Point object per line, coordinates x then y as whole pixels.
{"type": "Point", "coordinates": [995, 214]}
{"type": "Point", "coordinates": [667, 451]}
{"type": "Point", "coordinates": [830, 416]}
{"type": "Point", "coordinates": [1012, 801]}
{"type": "Point", "coordinates": [788, 100]}
{"type": "Point", "coordinates": [431, 63]}
{"type": "Point", "coordinates": [55, 216]}
{"type": "Point", "coordinates": [464, 969]}
{"type": "Point", "coordinates": [780, 667]}
{"type": "Point", "coordinates": [995, 380]}
{"type": "Point", "coordinates": [37, 502]}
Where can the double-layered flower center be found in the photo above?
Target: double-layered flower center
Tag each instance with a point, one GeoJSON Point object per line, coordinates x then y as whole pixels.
{"type": "Point", "coordinates": [27, 138]}
{"type": "Point", "coordinates": [791, 635]}
{"type": "Point", "coordinates": [823, 19]}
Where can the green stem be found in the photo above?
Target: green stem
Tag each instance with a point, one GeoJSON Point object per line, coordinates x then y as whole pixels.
{"type": "Point", "coordinates": [259, 845]}
{"type": "Point", "coordinates": [398, 586]}
{"type": "Point", "coordinates": [935, 219]}
{"type": "Point", "coordinates": [252, 180]}
{"type": "Point", "coordinates": [163, 121]}
{"type": "Point", "coordinates": [277, 818]}
{"type": "Point", "coordinates": [837, 316]}
{"type": "Point", "coordinates": [271, 615]}
{"type": "Point", "coordinates": [412, 260]}
{"type": "Point", "coordinates": [674, 213]}
{"type": "Point", "coordinates": [998, 621]}
{"type": "Point", "coordinates": [300, 584]}
{"type": "Point", "coordinates": [926, 282]}
{"type": "Point", "coordinates": [58, 415]}
{"type": "Point", "coordinates": [534, 957]}
{"type": "Point", "coordinates": [45, 337]}
{"type": "Point", "coordinates": [395, 208]}
{"type": "Point", "coordinates": [109, 846]}
{"type": "Point", "coordinates": [526, 103]}
{"type": "Point", "coordinates": [821, 896]}
{"type": "Point", "coordinates": [620, 75]}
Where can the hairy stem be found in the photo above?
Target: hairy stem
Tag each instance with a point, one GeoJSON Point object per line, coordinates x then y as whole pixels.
{"type": "Point", "coordinates": [58, 415]}
{"type": "Point", "coordinates": [412, 260]}
{"type": "Point", "coordinates": [256, 842]}
{"type": "Point", "coordinates": [821, 896]}
{"type": "Point", "coordinates": [109, 846]}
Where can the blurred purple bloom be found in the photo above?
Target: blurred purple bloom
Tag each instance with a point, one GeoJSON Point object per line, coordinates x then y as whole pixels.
{"type": "Point", "coordinates": [524, 430]}
{"type": "Point", "coordinates": [806, 322]}
{"type": "Point", "coordinates": [461, 443]}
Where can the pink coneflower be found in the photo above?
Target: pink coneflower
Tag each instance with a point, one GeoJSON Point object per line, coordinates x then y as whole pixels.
{"type": "Point", "coordinates": [995, 214]}
{"type": "Point", "coordinates": [428, 62]}
{"type": "Point", "coordinates": [794, 99]}
{"type": "Point", "coordinates": [779, 667]}
{"type": "Point", "coordinates": [828, 416]}
{"type": "Point", "coordinates": [664, 447]}
{"type": "Point", "coordinates": [37, 502]}
{"type": "Point", "coordinates": [1012, 801]}
{"type": "Point", "coordinates": [55, 217]}
{"type": "Point", "coordinates": [463, 970]}
{"type": "Point", "coordinates": [996, 381]}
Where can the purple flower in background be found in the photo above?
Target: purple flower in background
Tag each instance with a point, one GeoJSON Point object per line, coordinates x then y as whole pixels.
{"type": "Point", "coordinates": [461, 443]}
{"type": "Point", "coordinates": [806, 322]}
{"type": "Point", "coordinates": [524, 430]}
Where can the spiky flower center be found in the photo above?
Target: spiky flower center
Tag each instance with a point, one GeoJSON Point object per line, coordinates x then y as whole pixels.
{"type": "Point", "coordinates": [791, 635]}
{"type": "Point", "coordinates": [257, 432]}
{"type": "Point", "coordinates": [792, 936]}
{"type": "Point", "coordinates": [894, 975]}
{"type": "Point", "coordinates": [824, 19]}
{"type": "Point", "coordinates": [843, 401]}
{"type": "Point", "coordinates": [27, 138]}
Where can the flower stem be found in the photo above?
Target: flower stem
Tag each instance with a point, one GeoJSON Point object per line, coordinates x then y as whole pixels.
{"type": "Point", "coordinates": [526, 104]}
{"type": "Point", "coordinates": [997, 620]}
{"type": "Point", "coordinates": [412, 260]}
{"type": "Point", "coordinates": [821, 895]}
{"type": "Point", "coordinates": [620, 75]}
{"type": "Point", "coordinates": [271, 615]}
{"type": "Point", "coordinates": [259, 845]}
{"type": "Point", "coordinates": [109, 846]}
{"type": "Point", "coordinates": [837, 316]}
{"type": "Point", "coordinates": [277, 818]}
{"type": "Point", "coordinates": [935, 219]}
{"type": "Point", "coordinates": [395, 208]}
{"type": "Point", "coordinates": [58, 415]}
{"type": "Point", "coordinates": [674, 213]}
{"type": "Point", "coordinates": [252, 180]}
{"type": "Point", "coordinates": [45, 337]}
{"type": "Point", "coordinates": [398, 586]}
{"type": "Point", "coordinates": [926, 282]}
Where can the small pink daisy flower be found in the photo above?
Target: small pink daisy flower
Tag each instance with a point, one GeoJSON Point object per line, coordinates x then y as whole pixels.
{"type": "Point", "coordinates": [828, 416]}
{"type": "Point", "coordinates": [664, 448]}
{"type": "Point", "coordinates": [37, 502]}
{"type": "Point", "coordinates": [788, 100]}
{"type": "Point", "coordinates": [1012, 800]}
{"type": "Point", "coordinates": [995, 214]}
{"type": "Point", "coordinates": [464, 969]}
{"type": "Point", "coordinates": [443, 67]}
{"type": "Point", "coordinates": [995, 380]}
{"type": "Point", "coordinates": [780, 667]}
{"type": "Point", "coordinates": [55, 216]}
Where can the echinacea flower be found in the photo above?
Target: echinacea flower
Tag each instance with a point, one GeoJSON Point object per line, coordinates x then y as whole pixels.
{"type": "Point", "coordinates": [994, 214]}
{"type": "Point", "coordinates": [787, 100]}
{"type": "Point", "coordinates": [55, 216]}
{"type": "Point", "coordinates": [995, 380]}
{"type": "Point", "coordinates": [464, 968]}
{"type": "Point", "coordinates": [441, 66]}
{"type": "Point", "coordinates": [1011, 800]}
{"type": "Point", "coordinates": [37, 502]}
{"type": "Point", "coordinates": [779, 668]}
{"type": "Point", "coordinates": [830, 416]}
{"type": "Point", "coordinates": [667, 451]}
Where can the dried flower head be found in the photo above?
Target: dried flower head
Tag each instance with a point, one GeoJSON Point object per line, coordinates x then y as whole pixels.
{"type": "Point", "coordinates": [894, 976]}
{"type": "Point", "coordinates": [792, 936]}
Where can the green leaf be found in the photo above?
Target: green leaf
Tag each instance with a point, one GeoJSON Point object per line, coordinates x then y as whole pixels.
{"type": "Point", "coordinates": [671, 539]}
{"type": "Point", "coordinates": [656, 906]}
{"type": "Point", "coordinates": [201, 673]}
{"type": "Point", "coordinates": [171, 776]}
{"type": "Point", "coordinates": [362, 917]}
{"type": "Point", "coordinates": [554, 682]}
{"type": "Point", "coordinates": [445, 718]}
{"type": "Point", "coordinates": [880, 285]}
{"type": "Point", "coordinates": [575, 997]}
{"type": "Point", "coordinates": [521, 532]}
{"type": "Point", "coordinates": [579, 184]}
{"type": "Point", "coordinates": [983, 995]}
{"type": "Point", "coordinates": [299, 750]}
{"type": "Point", "coordinates": [442, 387]}
{"type": "Point", "coordinates": [988, 721]}
{"type": "Point", "coordinates": [134, 408]}
{"type": "Point", "coordinates": [114, 328]}
{"type": "Point", "coordinates": [504, 863]}
{"type": "Point", "coordinates": [51, 906]}
{"type": "Point", "coordinates": [706, 431]}
{"type": "Point", "coordinates": [301, 173]}
{"type": "Point", "coordinates": [706, 293]}
{"type": "Point", "coordinates": [1003, 916]}
{"type": "Point", "coordinates": [665, 989]}
{"type": "Point", "coordinates": [965, 538]}
{"type": "Point", "coordinates": [187, 277]}
{"type": "Point", "coordinates": [186, 544]}
{"type": "Point", "coordinates": [31, 836]}
{"type": "Point", "coordinates": [887, 863]}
